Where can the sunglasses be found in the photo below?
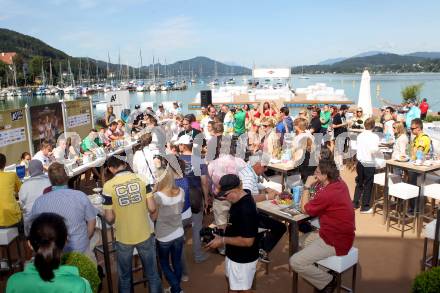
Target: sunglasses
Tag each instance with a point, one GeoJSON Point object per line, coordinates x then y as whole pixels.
{"type": "Point", "coordinates": [265, 125]}
{"type": "Point", "coordinates": [412, 128]}
{"type": "Point", "coordinates": [359, 111]}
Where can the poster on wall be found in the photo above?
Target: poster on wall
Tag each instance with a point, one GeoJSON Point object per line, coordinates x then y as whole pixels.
{"type": "Point", "coordinates": [119, 100]}
{"type": "Point", "coordinates": [79, 117]}
{"type": "Point", "coordinates": [13, 135]}
{"type": "Point", "coordinates": [47, 123]}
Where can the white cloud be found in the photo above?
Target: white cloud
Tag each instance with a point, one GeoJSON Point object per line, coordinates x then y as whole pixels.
{"type": "Point", "coordinates": [173, 33]}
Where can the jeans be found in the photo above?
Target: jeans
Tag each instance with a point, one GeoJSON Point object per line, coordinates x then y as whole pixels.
{"type": "Point", "coordinates": [364, 185]}
{"type": "Point", "coordinates": [276, 231]}
{"type": "Point", "coordinates": [147, 253]}
{"type": "Point", "coordinates": [197, 224]}
{"type": "Point", "coordinates": [172, 250]}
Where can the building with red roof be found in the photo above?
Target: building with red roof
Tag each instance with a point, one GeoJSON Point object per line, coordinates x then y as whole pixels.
{"type": "Point", "coordinates": [7, 57]}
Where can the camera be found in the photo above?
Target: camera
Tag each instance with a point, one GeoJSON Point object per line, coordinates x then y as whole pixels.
{"type": "Point", "coordinates": [207, 234]}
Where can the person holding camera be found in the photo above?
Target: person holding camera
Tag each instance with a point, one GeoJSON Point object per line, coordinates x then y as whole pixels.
{"type": "Point", "coordinates": [240, 235]}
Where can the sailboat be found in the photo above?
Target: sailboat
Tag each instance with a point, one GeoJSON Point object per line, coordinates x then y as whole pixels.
{"type": "Point", "coordinates": [215, 82]}
{"type": "Point", "coordinates": [153, 87]}
{"type": "Point", "coordinates": [302, 76]}
{"type": "Point", "coordinates": [70, 89]}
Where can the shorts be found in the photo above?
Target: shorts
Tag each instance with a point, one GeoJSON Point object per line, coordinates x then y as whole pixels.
{"type": "Point", "coordinates": [240, 275]}
{"type": "Point", "coordinates": [221, 211]}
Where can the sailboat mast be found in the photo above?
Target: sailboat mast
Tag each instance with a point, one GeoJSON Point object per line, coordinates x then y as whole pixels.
{"type": "Point", "coordinates": [80, 72]}
{"type": "Point", "coordinates": [108, 62]}
{"type": "Point", "coordinates": [50, 72]}
{"type": "Point", "coordinates": [140, 67]}
{"type": "Point", "coordinates": [154, 73]}
{"type": "Point", "coordinates": [61, 75]}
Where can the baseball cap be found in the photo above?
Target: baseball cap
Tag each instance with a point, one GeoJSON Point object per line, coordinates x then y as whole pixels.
{"type": "Point", "coordinates": [137, 106]}
{"type": "Point", "coordinates": [343, 107]}
{"type": "Point", "coordinates": [227, 183]}
{"type": "Point", "coordinates": [184, 139]}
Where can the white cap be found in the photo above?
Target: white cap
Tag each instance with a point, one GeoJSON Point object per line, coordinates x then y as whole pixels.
{"type": "Point", "coordinates": [184, 139]}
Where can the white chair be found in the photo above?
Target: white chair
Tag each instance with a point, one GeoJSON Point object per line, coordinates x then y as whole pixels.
{"type": "Point", "coordinates": [429, 233]}
{"type": "Point", "coordinates": [379, 181]}
{"type": "Point", "coordinates": [341, 264]}
{"type": "Point", "coordinates": [402, 192]}
{"type": "Point", "coordinates": [7, 236]}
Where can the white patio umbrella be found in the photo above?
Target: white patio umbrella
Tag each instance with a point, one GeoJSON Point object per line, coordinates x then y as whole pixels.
{"type": "Point", "coordinates": [364, 100]}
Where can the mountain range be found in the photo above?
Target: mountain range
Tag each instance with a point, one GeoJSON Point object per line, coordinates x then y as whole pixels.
{"type": "Point", "coordinates": [376, 62]}
{"type": "Point", "coordinates": [35, 56]}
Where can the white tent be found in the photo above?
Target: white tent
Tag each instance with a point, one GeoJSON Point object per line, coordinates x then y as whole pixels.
{"type": "Point", "coordinates": [364, 100]}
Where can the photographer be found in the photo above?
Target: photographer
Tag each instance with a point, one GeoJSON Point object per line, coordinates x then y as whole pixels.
{"type": "Point", "coordinates": [241, 231]}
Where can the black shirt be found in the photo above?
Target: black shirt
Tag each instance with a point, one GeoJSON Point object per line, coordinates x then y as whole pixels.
{"type": "Point", "coordinates": [315, 124]}
{"type": "Point", "coordinates": [243, 221]}
{"type": "Point", "coordinates": [337, 120]}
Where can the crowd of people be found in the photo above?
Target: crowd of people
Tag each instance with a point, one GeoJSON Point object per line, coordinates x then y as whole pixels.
{"type": "Point", "coordinates": [186, 169]}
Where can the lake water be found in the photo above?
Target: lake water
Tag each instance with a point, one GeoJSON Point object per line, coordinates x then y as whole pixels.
{"type": "Point", "coordinates": [390, 88]}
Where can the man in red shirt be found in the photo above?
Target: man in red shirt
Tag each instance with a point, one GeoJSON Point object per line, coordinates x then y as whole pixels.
{"type": "Point", "coordinates": [424, 106]}
{"type": "Point", "coordinates": [331, 203]}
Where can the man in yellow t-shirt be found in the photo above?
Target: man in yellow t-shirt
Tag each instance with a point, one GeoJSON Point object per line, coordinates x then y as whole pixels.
{"type": "Point", "coordinates": [421, 140]}
{"type": "Point", "coordinates": [126, 201]}
{"type": "Point", "coordinates": [10, 213]}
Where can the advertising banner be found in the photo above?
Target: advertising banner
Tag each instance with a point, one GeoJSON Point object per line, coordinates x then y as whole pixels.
{"type": "Point", "coordinates": [79, 117]}
{"type": "Point", "coordinates": [13, 135]}
{"type": "Point", "coordinates": [47, 123]}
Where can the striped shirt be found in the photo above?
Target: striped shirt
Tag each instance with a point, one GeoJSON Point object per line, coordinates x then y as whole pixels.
{"type": "Point", "coordinates": [249, 179]}
{"type": "Point", "coordinates": [75, 208]}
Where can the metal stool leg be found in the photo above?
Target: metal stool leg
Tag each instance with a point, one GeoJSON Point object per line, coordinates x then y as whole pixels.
{"type": "Point", "coordinates": [425, 249]}
{"type": "Point", "coordinates": [353, 279]}
{"type": "Point", "coordinates": [338, 283]}
{"type": "Point", "coordinates": [403, 215]}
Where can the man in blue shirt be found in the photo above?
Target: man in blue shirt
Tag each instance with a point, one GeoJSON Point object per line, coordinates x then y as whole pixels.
{"type": "Point", "coordinates": [73, 206]}
{"type": "Point", "coordinates": [286, 123]}
{"type": "Point", "coordinates": [413, 113]}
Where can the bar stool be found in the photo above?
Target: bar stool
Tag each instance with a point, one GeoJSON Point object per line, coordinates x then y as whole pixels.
{"type": "Point", "coordinates": [402, 192]}
{"type": "Point", "coordinates": [7, 236]}
{"type": "Point", "coordinates": [429, 234]}
{"type": "Point", "coordinates": [432, 192]}
{"type": "Point", "coordinates": [341, 264]}
{"type": "Point", "coordinates": [379, 182]}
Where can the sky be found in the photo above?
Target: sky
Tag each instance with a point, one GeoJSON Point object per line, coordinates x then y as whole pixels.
{"type": "Point", "coordinates": [264, 33]}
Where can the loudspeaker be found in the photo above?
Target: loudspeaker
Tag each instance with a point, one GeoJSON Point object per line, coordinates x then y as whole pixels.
{"type": "Point", "coordinates": [205, 98]}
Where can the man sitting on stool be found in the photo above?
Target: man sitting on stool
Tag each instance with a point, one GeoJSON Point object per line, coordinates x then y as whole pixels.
{"type": "Point", "coordinates": [332, 204]}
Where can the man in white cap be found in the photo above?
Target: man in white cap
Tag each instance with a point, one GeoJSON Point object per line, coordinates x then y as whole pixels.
{"type": "Point", "coordinates": [31, 190]}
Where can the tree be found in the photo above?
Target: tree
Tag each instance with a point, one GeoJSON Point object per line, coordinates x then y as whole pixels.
{"type": "Point", "coordinates": [411, 93]}
{"type": "Point", "coordinates": [35, 67]}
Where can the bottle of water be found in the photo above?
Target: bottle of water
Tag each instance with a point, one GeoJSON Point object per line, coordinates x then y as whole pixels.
{"type": "Point", "coordinates": [419, 156]}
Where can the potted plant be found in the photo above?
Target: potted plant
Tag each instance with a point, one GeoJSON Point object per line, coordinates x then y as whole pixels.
{"type": "Point", "coordinates": [427, 282]}
{"type": "Point", "coordinates": [87, 268]}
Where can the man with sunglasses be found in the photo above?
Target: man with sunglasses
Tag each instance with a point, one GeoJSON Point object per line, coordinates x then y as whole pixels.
{"type": "Point", "coordinates": [187, 128]}
{"type": "Point", "coordinates": [240, 235]}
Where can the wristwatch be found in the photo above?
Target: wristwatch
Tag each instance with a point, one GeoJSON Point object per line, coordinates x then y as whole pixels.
{"type": "Point", "coordinates": [266, 194]}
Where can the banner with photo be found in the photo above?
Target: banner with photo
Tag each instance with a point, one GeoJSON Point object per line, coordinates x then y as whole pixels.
{"type": "Point", "coordinates": [47, 123]}
{"type": "Point", "coordinates": [13, 135]}
{"type": "Point", "coordinates": [79, 117]}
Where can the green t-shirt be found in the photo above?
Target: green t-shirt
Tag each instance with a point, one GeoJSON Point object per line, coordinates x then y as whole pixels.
{"type": "Point", "coordinates": [87, 144]}
{"type": "Point", "coordinates": [239, 123]}
{"type": "Point", "coordinates": [67, 279]}
{"type": "Point", "coordinates": [326, 117]}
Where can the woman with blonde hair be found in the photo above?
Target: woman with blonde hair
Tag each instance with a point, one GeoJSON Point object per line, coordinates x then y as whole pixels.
{"type": "Point", "coordinates": [169, 228]}
{"type": "Point", "coordinates": [109, 116]}
{"type": "Point", "coordinates": [271, 141]}
{"type": "Point", "coordinates": [401, 143]}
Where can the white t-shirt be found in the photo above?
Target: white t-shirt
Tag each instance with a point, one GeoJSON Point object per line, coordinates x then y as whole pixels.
{"type": "Point", "coordinates": [204, 125]}
{"type": "Point", "coordinates": [42, 158]}
{"type": "Point", "coordinates": [367, 148]}
{"type": "Point", "coordinates": [143, 159]}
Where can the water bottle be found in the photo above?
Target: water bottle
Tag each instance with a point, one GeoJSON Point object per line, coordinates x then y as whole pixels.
{"type": "Point", "coordinates": [419, 157]}
{"type": "Point", "coordinates": [296, 194]}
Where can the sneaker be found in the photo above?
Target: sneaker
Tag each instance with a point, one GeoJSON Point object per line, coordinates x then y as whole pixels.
{"type": "Point", "coordinates": [264, 257]}
{"type": "Point", "coordinates": [369, 211]}
{"type": "Point", "coordinates": [185, 278]}
{"type": "Point", "coordinates": [201, 259]}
